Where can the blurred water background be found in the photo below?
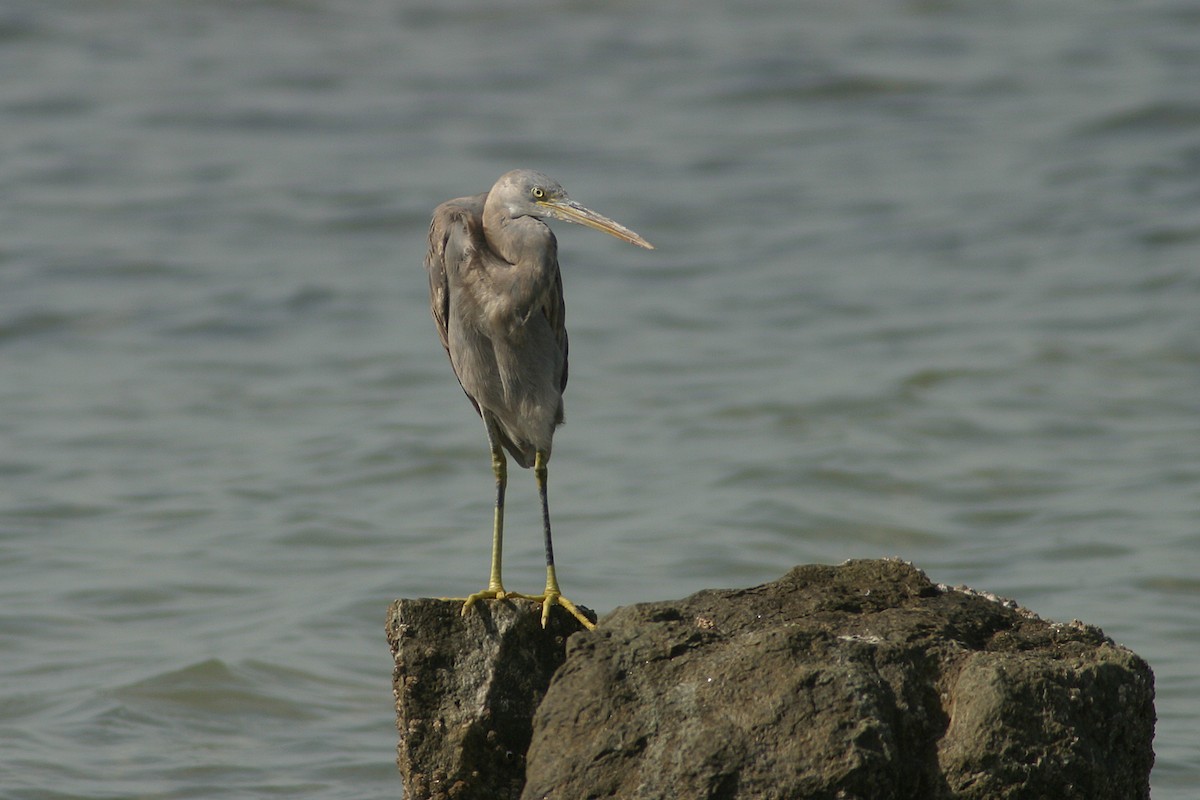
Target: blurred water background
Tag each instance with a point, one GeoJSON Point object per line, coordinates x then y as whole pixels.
{"type": "Point", "coordinates": [927, 285]}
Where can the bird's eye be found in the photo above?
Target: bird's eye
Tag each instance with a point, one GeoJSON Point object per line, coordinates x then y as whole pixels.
{"type": "Point", "coordinates": [538, 192]}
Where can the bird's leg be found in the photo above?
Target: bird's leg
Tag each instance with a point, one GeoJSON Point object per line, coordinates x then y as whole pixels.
{"type": "Point", "coordinates": [495, 589]}
{"type": "Point", "coordinates": [553, 594]}
{"type": "Point", "coordinates": [500, 470]}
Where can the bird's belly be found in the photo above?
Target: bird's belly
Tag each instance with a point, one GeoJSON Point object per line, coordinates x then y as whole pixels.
{"type": "Point", "coordinates": [515, 374]}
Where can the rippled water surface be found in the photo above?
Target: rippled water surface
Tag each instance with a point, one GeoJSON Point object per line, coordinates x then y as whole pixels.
{"type": "Point", "coordinates": [927, 285]}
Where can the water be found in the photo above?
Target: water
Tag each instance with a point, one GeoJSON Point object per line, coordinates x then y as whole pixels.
{"type": "Point", "coordinates": [927, 285]}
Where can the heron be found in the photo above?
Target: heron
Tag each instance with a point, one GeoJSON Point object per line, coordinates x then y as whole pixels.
{"type": "Point", "coordinates": [496, 295]}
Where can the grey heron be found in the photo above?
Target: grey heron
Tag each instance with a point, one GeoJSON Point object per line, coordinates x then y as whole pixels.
{"type": "Point", "coordinates": [497, 299]}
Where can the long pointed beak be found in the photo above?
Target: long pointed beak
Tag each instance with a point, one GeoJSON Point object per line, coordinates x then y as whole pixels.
{"type": "Point", "coordinates": [569, 211]}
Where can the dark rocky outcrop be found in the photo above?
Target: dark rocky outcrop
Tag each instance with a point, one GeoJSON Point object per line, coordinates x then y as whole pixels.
{"type": "Point", "coordinates": [466, 690]}
{"type": "Point", "coordinates": [859, 681]}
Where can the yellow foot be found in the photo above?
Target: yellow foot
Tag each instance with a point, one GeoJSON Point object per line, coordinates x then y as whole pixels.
{"type": "Point", "coordinates": [488, 594]}
{"type": "Point", "coordinates": [554, 598]}
{"type": "Point", "coordinates": [547, 600]}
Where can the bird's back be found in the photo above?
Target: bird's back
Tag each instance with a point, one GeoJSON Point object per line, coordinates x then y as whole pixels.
{"type": "Point", "coordinates": [501, 325]}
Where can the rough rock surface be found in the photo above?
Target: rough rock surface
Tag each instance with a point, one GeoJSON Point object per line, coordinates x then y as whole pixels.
{"type": "Point", "coordinates": [466, 689]}
{"type": "Point", "coordinates": [859, 681]}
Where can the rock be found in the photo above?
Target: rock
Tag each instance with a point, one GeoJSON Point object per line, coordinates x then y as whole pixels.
{"type": "Point", "coordinates": [859, 681]}
{"type": "Point", "coordinates": [466, 689]}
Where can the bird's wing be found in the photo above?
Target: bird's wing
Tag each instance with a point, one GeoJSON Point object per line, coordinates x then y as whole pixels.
{"type": "Point", "coordinates": [451, 239]}
{"type": "Point", "coordinates": [455, 230]}
{"type": "Point", "coordinates": [555, 309]}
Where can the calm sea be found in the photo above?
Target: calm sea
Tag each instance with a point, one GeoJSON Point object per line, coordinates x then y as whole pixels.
{"type": "Point", "coordinates": [927, 285]}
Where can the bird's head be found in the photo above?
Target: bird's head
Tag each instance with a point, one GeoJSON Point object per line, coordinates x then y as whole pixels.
{"type": "Point", "coordinates": [529, 193]}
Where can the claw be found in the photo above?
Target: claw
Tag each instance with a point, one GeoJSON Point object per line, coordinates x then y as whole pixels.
{"type": "Point", "coordinates": [554, 598]}
{"type": "Point", "coordinates": [547, 600]}
{"type": "Point", "coordinates": [490, 594]}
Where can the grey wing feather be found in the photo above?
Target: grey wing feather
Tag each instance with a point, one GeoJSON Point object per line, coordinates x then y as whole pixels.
{"type": "Point", "coordinates": [439, 287]}
{"type": "Point", "coordinates": [555, 311]}
{"type": "Point", "coordinates": [453, 232]}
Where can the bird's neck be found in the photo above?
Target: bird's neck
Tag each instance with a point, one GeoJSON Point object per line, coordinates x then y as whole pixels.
{"type": "Point", "coordinates": [526, 243]}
